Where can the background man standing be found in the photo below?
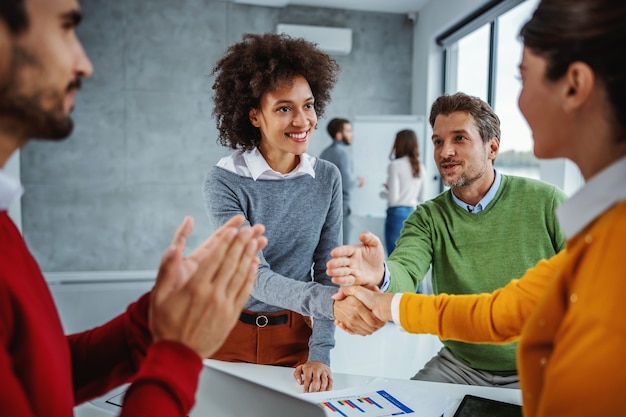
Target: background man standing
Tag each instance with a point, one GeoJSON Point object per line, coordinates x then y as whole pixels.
{"type": "Point", "coordinates": [340, 130]}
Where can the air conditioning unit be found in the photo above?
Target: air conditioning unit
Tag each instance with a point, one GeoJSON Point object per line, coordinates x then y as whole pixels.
{"type": "Point", "coordinates": [333, 41]}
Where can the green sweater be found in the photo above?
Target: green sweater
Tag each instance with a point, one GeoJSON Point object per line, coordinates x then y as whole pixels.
{"type": "Point", "coordinates": [476, 253]}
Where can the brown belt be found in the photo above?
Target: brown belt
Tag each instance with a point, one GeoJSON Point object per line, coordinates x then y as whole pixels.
{"type": "Point", "coordinates": [261, 320]}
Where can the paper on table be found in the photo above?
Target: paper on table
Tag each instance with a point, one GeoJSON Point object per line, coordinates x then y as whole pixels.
{"type": "Point", "coordinates": [380, 398]}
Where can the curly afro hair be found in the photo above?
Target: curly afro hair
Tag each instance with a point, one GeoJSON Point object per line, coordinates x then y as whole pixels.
{"type": "Point", "coordinates": [256, 65]}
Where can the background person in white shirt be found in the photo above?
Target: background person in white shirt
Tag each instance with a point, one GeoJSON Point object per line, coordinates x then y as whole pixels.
{"type": "Point", "coordinates": [404, 188]}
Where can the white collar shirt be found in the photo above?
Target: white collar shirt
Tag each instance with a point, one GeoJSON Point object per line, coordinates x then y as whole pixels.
{"type": "Point", "coordinates": [601, 192]}
{"type": "Point", "coordinates": [10, 190]}
{"type": "Point", "coordinates": [251, 164]}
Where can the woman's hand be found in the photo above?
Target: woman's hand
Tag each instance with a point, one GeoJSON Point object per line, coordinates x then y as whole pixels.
{"type": "Point", "coordinates": [314, 377]}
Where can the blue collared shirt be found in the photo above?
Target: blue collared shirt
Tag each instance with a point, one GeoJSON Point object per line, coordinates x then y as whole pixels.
{"type": "Point", "coordinates": [484, 202]}
{"type": "Point", "coordinates": [251, 164]}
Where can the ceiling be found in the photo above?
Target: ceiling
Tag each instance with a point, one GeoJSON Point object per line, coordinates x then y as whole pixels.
{"type": "Point", "coordinates": [388, 6]}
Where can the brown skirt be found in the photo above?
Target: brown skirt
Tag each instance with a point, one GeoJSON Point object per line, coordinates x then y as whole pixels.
{"type": "Point", "coordinates": [265, 343]}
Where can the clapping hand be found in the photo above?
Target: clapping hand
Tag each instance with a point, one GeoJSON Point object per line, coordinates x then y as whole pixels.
{"type": "Point", "coordinates": [197, 299]}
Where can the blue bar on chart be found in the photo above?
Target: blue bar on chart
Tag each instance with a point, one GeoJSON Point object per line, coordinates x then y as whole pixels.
{"type": "Point", "coordinates": [395, 402]}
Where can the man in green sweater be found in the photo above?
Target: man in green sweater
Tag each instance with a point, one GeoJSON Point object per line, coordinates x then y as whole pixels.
{"type": "Point", "coordinates": [487, 229]}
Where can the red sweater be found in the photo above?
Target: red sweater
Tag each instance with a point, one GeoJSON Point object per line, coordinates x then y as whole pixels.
{"type": "Point", "coordinates": [44, 373]}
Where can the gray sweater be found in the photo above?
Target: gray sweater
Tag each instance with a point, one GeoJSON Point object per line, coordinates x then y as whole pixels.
{"type": "Point", "coordinates": [302, 216]}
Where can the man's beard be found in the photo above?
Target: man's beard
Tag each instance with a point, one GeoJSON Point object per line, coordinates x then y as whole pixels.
{"type": "Point", "coordinates": [463, 180]}
{"type": "Point", "coordinates": [23, 113]}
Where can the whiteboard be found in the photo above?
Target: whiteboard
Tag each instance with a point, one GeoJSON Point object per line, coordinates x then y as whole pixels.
{"type": "Point", "coordinates": [373, 139]}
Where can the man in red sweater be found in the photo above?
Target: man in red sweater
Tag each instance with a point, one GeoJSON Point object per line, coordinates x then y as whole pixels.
{"type": "Point", "coordinates": [159, 342]}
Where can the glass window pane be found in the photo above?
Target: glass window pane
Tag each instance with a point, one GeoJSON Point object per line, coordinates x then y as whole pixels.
{"type": "Point", "coordinates": [516, 146]}
{"type": "Point", "coordinates": [468, 64]}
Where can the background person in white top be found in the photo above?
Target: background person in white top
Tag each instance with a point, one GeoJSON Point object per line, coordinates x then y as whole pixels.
{"type": "Point", "coordinates": [404, 188]}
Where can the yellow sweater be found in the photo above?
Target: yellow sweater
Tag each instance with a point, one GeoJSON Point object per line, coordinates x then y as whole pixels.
{"type": "Point", "coordinates": [568, 313]}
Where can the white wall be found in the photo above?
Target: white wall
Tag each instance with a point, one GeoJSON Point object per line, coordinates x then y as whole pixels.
{"type": "Point", "coordinates": [88, 299]}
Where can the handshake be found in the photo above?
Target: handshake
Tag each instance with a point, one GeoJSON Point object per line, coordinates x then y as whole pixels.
{"type": "Point", "coordinates": [360, 307]}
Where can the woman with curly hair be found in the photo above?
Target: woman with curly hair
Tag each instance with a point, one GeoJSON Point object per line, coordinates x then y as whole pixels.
{"type": "Point", "coordinates": [269, 91]}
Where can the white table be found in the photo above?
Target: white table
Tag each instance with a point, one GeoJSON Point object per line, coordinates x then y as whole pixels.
{"type": "Point", "coordinates": [281, 379]}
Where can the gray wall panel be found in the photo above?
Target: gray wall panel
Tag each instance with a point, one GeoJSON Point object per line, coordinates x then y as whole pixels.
{"type": "Point", "coordinates": [154, 213]}
{"type": "Point", "coordinates": [173, 44]}
{"type": "Point", "coordinates": [77, 227]}
{"type": "Point", "coordinates": [171, 137]}
{"type": "Point", "coordinates": [103, 34]}
{"type": "Point", "coordinates": [92, 154]}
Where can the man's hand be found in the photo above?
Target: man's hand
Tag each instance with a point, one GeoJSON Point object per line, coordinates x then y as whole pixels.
{"type": "Point", "coordinates": [375, 301]}
{"type": "Point", "coordinates": [358, 264]}
{"type": "Point", "coordinates": [352, 316]}
{"type": "Point", "coordinates": [197, 299]}
{"type": "Point", "coordinates": [314, 377]}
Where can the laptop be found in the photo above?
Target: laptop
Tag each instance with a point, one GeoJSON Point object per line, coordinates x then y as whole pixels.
{"type": "Point", "coordinates": [239, 397]}
{"type": "Point", "coordinates": [221, 394]}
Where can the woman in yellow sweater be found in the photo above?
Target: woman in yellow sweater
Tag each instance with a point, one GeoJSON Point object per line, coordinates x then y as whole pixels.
{"type": "Point", "coordinates": [568, 311]}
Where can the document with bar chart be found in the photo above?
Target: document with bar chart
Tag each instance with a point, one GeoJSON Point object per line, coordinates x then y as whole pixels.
{"type": "Point", "coordinates": [379, 403]}
{"type": "Point", "coordinates": [380, 398]}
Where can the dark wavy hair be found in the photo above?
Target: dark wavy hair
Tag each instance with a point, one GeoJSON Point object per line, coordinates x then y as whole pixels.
{"type": "Point", "coordinates": [13, 13]}
{"type": "Point", "coordinates": [335, 126]}
{"type": "Point", "coordinates": [590, 31]}
{"type": "Point", "coordinates": [262, 63]}
{"type": "Point", "coordinates": [487, 121]}
{"type": "Point", "coordinates": [406, 145]}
